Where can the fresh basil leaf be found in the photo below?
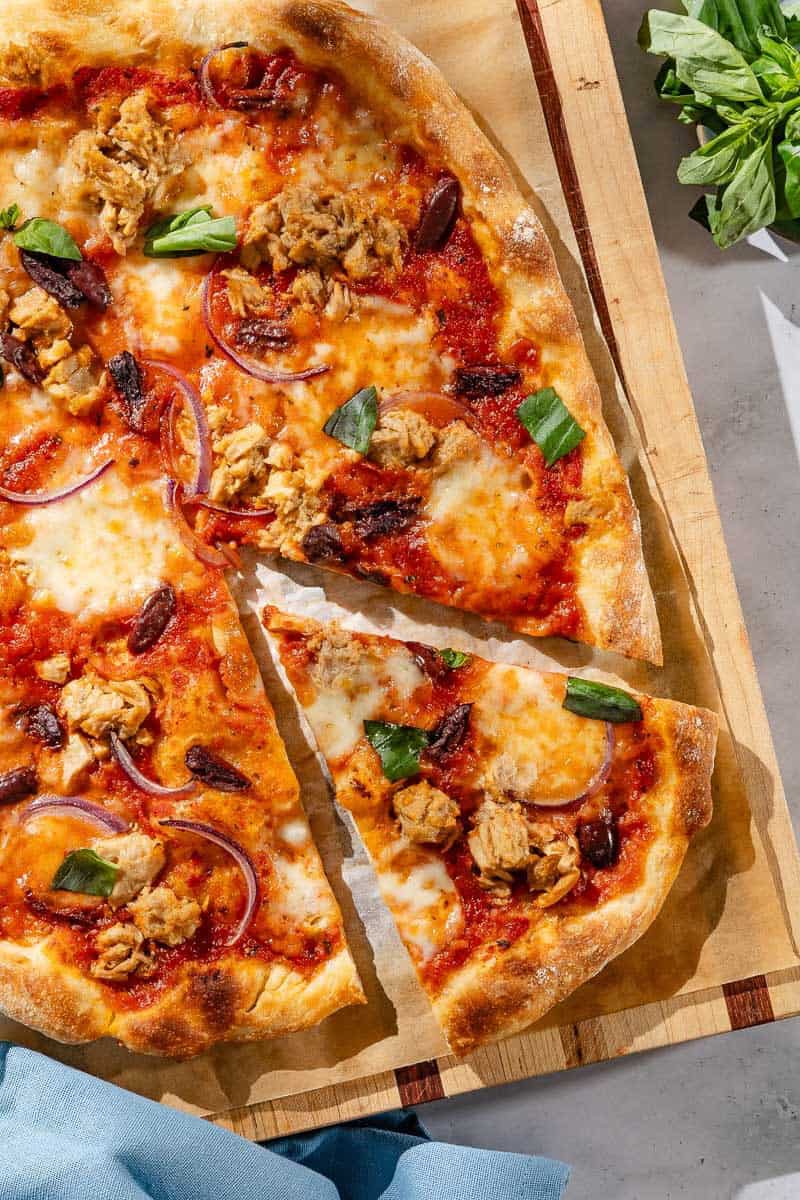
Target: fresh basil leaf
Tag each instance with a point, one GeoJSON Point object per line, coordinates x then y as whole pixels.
{"type": "Point", "coordinates": [550, 424]}
{"type": "Point", "coordinates": [399, 747]}
{"type": "Point", "coordinates": [718, 159]}
{"type": "Point", "coordinates": [588, 698]}
{"type": "Point", "coordinates": [778, 67]}
{"type": "Point", "coordinates": [704, 60]}
{"type": "Point", "coordinates": [86, 872]}
{"type": "Point", "coordinates": [353, 423]}
{"type": "Point", "coordinates": [701, 211]}
{"type": "Point", "coordinates": [9, 216]}
{"type": "Point", "coordinates": [46, 237]}
{"type": "Point", "coordinates": [454, 658]}
{"type": "Point", "coordinates": [790, 157]}
{"type": "Point", "coordinates": [195, 231]}
{"type": "Point", "coordinates": [669, 87]}
{"type": "Point", "coordinates": [748, 202]}
{"type": "Point", "coordinates": [739, 20]}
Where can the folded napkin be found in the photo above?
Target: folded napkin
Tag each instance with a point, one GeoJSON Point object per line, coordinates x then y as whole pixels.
{"type": "Point", "coordinates": [67, 1136]}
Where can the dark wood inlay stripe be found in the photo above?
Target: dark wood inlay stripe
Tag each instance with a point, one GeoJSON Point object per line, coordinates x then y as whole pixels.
{"type": "Point", "coordinates": [419, 1083]}
{"type": "Point", "coordinates": [553, 109]}
{"type": "Point", "coordinates": [748, 1002]}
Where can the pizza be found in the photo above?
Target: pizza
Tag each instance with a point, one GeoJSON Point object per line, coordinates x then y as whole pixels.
{"type": "Point", "coordinates": [264, 283]}
{"type": "Point", "coordinates": [391, 377]}
{"type": "Point", "coordinates": [525, 827]}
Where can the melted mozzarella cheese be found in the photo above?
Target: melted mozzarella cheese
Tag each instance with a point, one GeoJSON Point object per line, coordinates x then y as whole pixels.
{"type": "Point", "coordinates": [101, 550]}
{"type": "Point", "coordinates": [167, 292]}
{"type": "Point", "coordinates": [531, 746]}
{"type": "Point", "coordinates": [358, 694]}
{"type": "Point", "coordinates": [482, 522]}
{"type": "Point", "coordinates": [425, 903]}
{"type": "Point", "coordinates": [300, 891]}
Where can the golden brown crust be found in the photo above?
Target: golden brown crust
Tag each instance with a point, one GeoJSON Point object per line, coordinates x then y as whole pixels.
{"type": "Point", "coordinates": [396, 78]}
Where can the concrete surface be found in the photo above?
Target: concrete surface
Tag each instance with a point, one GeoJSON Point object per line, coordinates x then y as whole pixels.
{"type": "Point", "coordinates": [716, 1118]}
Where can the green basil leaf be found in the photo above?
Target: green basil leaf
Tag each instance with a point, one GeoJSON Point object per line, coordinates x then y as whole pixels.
{"type": "Point", "coordinates": [399, 747]}
{"type": "Point", "coordinates": [454, 658]}
{"type": "Point", "coordinates": [353, 423]}
{"type": "Point", "coordinates": [600, 702]}
{"type": "Point", "coordinates": [718, 159]}
{"type": "Point", "coordinates": [739, 20]}
{"type": "Point", "coordinates": [748, 202]}
{"type": "Point", "coordinates": [669, 87]}
{"type": "Point", "coordinates": [86, 872]}
{"type": "Point", "coordinates": [550, 424]}
{"type": "Point", "coordinates": [790, 157]}
{"type": "Point", "coordinates": [778, 67]}
{"type": "Point", "coordinates": [704, 60]}
{"type": "Point", "coordinates": [46, 237]}
{"type": "Point", "coordinates": [195, 231]}
{"type": "Point", "coordinates": [9, 216]}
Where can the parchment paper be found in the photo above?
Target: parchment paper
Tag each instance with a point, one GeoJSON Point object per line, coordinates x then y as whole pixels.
{"type": "Point", "coordinates": [726, 917]}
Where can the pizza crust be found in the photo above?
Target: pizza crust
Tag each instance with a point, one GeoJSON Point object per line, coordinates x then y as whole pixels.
{"type": "Point", "coordinates": [397, 79]}
{"type": "Point", "coordinates": [503, 994]}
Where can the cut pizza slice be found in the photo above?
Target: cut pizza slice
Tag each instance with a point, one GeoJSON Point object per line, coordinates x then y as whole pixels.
{"type": "Point", "coordinates": [525, 828]}
{"type": "Point", "coordinates": [305, 222]}
{"type": "Point", "coordinates": [158, 879]}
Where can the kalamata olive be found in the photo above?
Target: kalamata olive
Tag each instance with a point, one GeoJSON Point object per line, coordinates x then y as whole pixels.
{"type": "Point", "coordinates": [381, 517]}
{"type": "Point", "coordinates": [485, 380]}
{"type": "Point", "coordinates": [48, 273]}
{"type": "Point", "coordinates": [323, 543]}
{"type": "Point", "coordinates": [91, 280]}
{"type": "Point", "coordinates": [126, 373]}
{"type": "Point", "coordinates": [214, 771]}
{"type": "Point", "coordinates": [259, 333]}
{"type": "Point", "coordinates": [599, 840]}
{"type": "Point", "coordinates": [17, 783]}
{"type": "Point", "coordinates": [154, 617]}
{"type": "Point", "coordinates": [41, 721]}
{"type": "Point", "coordinates": [21, 356]}
{"type": "Point", "coordinates": [450, 732]}
{"type": "Point", "coordinates": [438, 214]}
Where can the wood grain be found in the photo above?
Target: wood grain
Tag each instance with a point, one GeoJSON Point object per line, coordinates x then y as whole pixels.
{"type": "Point", "coordinates": [572, 62]}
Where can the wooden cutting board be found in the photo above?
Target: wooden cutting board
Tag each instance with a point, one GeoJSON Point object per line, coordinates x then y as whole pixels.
{"type": "Point", "coordinates": [585, 118]}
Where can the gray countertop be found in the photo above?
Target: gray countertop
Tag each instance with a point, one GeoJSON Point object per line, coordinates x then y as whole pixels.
{"type": "Point", "coordinates": [716, 1118]}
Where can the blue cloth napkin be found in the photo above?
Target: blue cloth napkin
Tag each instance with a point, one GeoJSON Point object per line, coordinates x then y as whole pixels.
{"type": "Point", "coordinates": [67, 1136]}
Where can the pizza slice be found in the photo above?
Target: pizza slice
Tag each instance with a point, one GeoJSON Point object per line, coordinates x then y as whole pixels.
{"type": "Point", "coordinates": [158, 879]}
{"type": "Point", "coordinates": [525, 828]}
{"type": "Point", "coordinates": [300, 217]}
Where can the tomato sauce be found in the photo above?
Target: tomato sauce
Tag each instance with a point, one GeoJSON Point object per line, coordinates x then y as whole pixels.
{"type": "Point", "coordinates": [93, 84]}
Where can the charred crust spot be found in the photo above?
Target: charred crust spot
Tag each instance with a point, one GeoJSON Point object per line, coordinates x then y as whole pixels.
{"type": "Point", "coordinates": [216, 994]}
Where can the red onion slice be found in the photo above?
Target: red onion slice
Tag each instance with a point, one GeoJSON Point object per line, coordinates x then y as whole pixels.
{"type": "Point", "coordinates": [123, 757]}
{"type": "Point", "coordinates": [437, 407]}
{"type": "Point", "coordinates": [204, 502]}
{"type": "Point", "coordinates": [595, 783]}
{"type": "Point", "coordinates": [242, 859]}
{"type": "Point", "coordinates": [248, 365]}
{"type": "Point", "coordinates": [202, 477]}
{"type": "Point", "coordinates": [33, 498]}
{"type": "Point", "coordinates": [74, 806]}
{"type": "Point", "coordinates": [203, 74]}
{"type": "Point", "coordinates": [200, 549]}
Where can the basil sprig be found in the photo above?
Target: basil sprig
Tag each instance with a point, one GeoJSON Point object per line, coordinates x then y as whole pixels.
{"type": "Point", "coordinates": [86, 872]}
{"type": "Point", "coordinates": [398, 746]}
{"type": "Point", "coordinates": [195, 231]}
{"type": "Point", "coordinates": [601, 702]}
{"type": "Point", "coordinates": [9, 216]}
{"type": "Point", "coordinates": [454, 658]}
{"type": "Point", "coordinates": [733, 67]}
{"type": "Point", "coordinates": [550, 424]}
{"type": "Point", "coordinates": [47, 237]}
{"type": "Point", "coordinates": [353, 423]}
